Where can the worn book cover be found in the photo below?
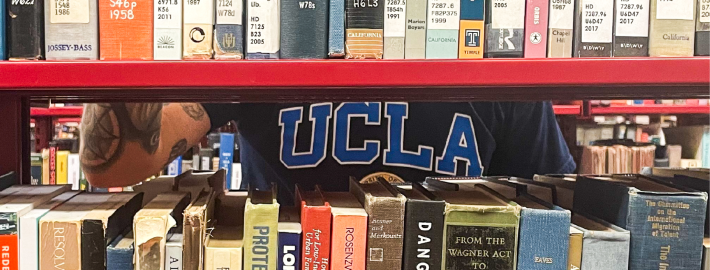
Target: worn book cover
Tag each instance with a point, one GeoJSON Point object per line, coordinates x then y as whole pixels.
{"type": "Point", "coordinates": [71, 30]}
{"type": "Point", "coordinates": [153, 224]}
{"type": "Point", "coordinates": [544, 235]}
{"type": "Point", "coordinates": [263, 38]}
{"type": "Point", "coordinates": [349, 234]}
{"type": "Point", "coordinates": [198, 216]}
{"type": "Point", "coordinates": [699, 184]}
{"type": "Point", "coordinates": [631, 28]}
{"type": "Point", "coordinates": [197, 29]}
{"type": "Point", "coordinates": [229, 30]}
{"type": "Point", "coordinates": [261, 216]}
{"type": "Point", "coordinates": [423, 228]}
{"type": "Point", "coordinates": [672, 28]}
{"type": "Point", "coordinates": [103, 224]}
{"type": "Point", "coordinates": [702, 29]}
{"type": "Point", "coordinates": [25, 29]}
{"type": "Point", "coordinates": [316, 225]}
{"type": "Point", "coordinates": [151, 188]}
{"type": "Point", "coordinates": [62, 167]}
{"type": "Point", "coordinates": [336, 29]}
{"type": "Point", "coordinates": [364, 29]}
{"type": "Point", "coordinates": [395, 25]}
{"type": "Point", "coordinates": [471, 29]}
{"type": "Point", "coordinates": [119, 254]}
{"type": "Point", "coordinates": [442, 30]}
{"type": "Point", "coordinates": [126, 29]}
{"type": "Point", "coordinates": [223, 249]}
{"type": "Point", "coordinates": [658, 216]}
{"type": "Point", "coordinates": [561, 25]}
{"type": "Point", "coordinates": [304, 29]}
{"type": "Point", "coordinates": [505, 23]}
{"type": "Point", "coordinates": [167, 29]}
{"type": "Point", "coordinates": [415, 33]}
{"type": "Point", "coordinates": [290, 239]}
{"type": "Point", "coordinates": [594, 27]}
{"type": "Point", "coordinates": [174, 252]}
{"type": "Point", "coordinates": [385, 208]}
{"type": "Point", "coordinates": [536, 22]}
{"type": "Point", "coordinates": [604, 246]}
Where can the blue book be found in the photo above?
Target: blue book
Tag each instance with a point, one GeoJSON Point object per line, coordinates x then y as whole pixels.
{"type": "Point", "coordinates": [603, 245]}
{"type": "Point", "coordinates": [226, 155]}
{"type": "Point", "coordinates": [289, 238]}
{"type": "Point", "coordinates": [175, 167]}
{"type": "Point", "coordinates": [336, 29]}
{"type": "Point", "coordinates": [544, 235]}
{"type": "Point", "coordinates": [119, 254]}
{"type": "Point", "coordinates": [666, 223]}
{"type": "Point", "coordinates": [3, 49]}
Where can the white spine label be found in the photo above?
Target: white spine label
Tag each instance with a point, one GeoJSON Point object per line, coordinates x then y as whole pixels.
{"type": "Point", "coordinates": [508, 14]}
{"type": "Point", "coordinates": [229, 12]}
{"type": "Point", "coordinates": [674, 9]}
{"type": "Point", "coordinates": [199, 12]}
{"type": "Point", "coordinates": [443, 15]}
{"type": "Point", "coordinates": [168, 14]}
{"type": "Point", "coordinates": [632, 18]}
{"type": "Point", "coordinates": [395, 23]}
{"type": "Point", "coordinates": [66, 11]}
{"type": "Point", "coordinates": [704, 9]}
{"type": "Point", "coordinates": [597, 16]}
{"type": "Point", "coordinates": [562, 14]}
{"type": "Point", "coordinates": [263, 26]}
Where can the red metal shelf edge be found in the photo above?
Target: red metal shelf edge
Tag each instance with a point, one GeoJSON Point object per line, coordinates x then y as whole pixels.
{"type": "Point", "coordinates": [652, 109]}
{"type": "Point", "coordinates": [567, 109]}
{"type": "Point", "coordinates": [57, 111]}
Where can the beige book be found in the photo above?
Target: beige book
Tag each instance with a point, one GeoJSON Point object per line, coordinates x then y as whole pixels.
{"type": "Point", "coordinates": [261, 214]}
{"type": "Point", "coordinates": [151, 226]}
{"type": "Point", "coordinates": [223, 249]}
{"type": "Point", "coordinates": [593, 160]}
{"type": "Point", "coordinates": [153, 187]}
{"type": "Point", "coordinates": [574, 259]}
{"type": "Point", "coordinates": [195, 182]}
{"type": "Point", "coordinates": [197, 218]}
{"type": "Point", "coordinates": [672, 28]}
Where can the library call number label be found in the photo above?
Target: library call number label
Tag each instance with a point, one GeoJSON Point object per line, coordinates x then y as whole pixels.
{"type": "Point", "coordinates": [263, 27]}
{"type": "Point", "coordinates": [122, 9]}
{"type": "Point", "coordinates": [508, 14]}
{"type": "Point", "coordinates": [64, 11]}
{"type": "Point", "coordinates": [597, 18]}
{"type": "Point", "coordinates": [632, 18]}
{"type": "Point", "coordinates": [443, 15]}
{"type": "Point", "coordinates": [676, 9]}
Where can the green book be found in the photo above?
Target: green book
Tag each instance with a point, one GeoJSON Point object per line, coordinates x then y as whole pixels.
{"type": "Point", "coordinates": [261, 219]}
{"type": "Point", "coordinates": [480, 230]}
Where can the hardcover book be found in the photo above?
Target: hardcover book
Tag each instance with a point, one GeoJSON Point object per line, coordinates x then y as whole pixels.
{"type": "Point", "coordinates": [471, 33]}
{"type": "Point", "coordinates": [442, 30]}
{"type": "Point", "coordinates": [35, 167]}
{"type": "Point", "coordinates": [198, 216]}
{"type": "Point", "coordinates": [564, 187]}
{"type": "Point", "coordinates": [656, 215]}
{"type": "Point", "coordinates": [631, 28]}
{"type": "Point", "coordinates": [226, 153]}
{"type": "Point", "coordinates": [505, 23]}
{"type": "Point", "coordinates": [544, 191]}
{"type": "Point", "coordinates": [395, 25]}
{"type": "Point", "coordinates": [702, 29]}
{"type": "Point", "coordinates": [174, 252]}
{"type": "Point", "coordinates": [604, 246]}
{"type": "Point", "coordinates": [264, 33]}
{"type": "Point", "coordinates": [536, 22]}
{"type": "Point", "coordinates": [415, 33]}
{"type": "Point", "coordinates": [73, 171]}
{"type": "Point", "coordinates": [574, 256]}
{"type": "Point", "coordinates": [223, 249]}
{"type": "Point", "coordinates": [126, 29]}
{"type": "Point", "coordinates": [699, 184]}
{"type": "Point", "coordinates": [261, 216]}
{"type": "Point", "coordinates": [672, 28]}
{"type": "Point", "coordinates": [385, 208]}
{"type": "Point", "coordinates": [316, 225]}
{"type": "Point", "coordinates": [364, 29]}
{"type": "Point", "coordinates": [52, 163]}
{"type": "Point", "coordinates": [290, 239]}
{"type": "Point", "coordinates": [167, 30]}
{"type": "Point", "coordinates": [336, 29]}
{"type": "Point", "coordinates": [423, 227]}
{"type": "Point", "coordinates": [706, 254]}
{"type": "Point", "coordinates": [304, 29]}
{"type": "Point", "coordinates": [153, 224]}
{"type": "Point", "coordinates": [195, 182]}
{"type": "Point", "coordinates": [561, 26]}
{"type": "Point", "coordinates": [71, 30]}
{"type": "Point", "coordinates": [197, 29]}
{"type": "Point", "coordinates": [594, 27]}
{"type": "Point", "coordinates": [349, 234]}
{"type": "Point", "coordinates": [119, 254]}
{"type": "Point", "coordinates": [229, 30]}
{"type": "Point", "coordinates": [25, 29]}
{"type": "Point", "coordinates": [3, 37]}
{"type": "Point", "coordinates": [62, 167]}
{"type": "Point", "coordinates": [45, 165]}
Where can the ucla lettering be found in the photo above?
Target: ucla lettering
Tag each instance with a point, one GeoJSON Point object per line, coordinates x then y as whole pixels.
{"type": "Point", "coordinates": [395, 155]}
{"type": "Point", "coordinates": [289, 119]}
{"type": "Point", "coordinates": [342, 152]}
{"type": "Point", "coordinates": [460, 145]}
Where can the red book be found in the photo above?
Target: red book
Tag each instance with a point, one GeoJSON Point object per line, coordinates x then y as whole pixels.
{"type": "Point", "coordinates": [9, 251]}
{"type": "Point", "coordinates": [315, 225]}
{"type": "Point", "coordinates": [536, 17]}
{"type": "Point", "coordinates": [52, 164]}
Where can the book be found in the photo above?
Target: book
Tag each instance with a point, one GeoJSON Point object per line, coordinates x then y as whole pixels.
{"type": "Point", "coordinates": [153, 187]}
{"type": "Point", "coordinates": [604, 246]}
{"type": "Point", "coordinates": [3, 36]}
{"type": "Point", "coordinates": [594, 27]}
{"type": "Point", "coordinates": [706, 254]}
{"type": "Point", "coordinates": [415, 32]}
{"type": "Point", "coordinates": [304, 29]}
{"type": "Point", "coordinates": [423, 224]}
{"type": "Point", "coordinates": [119, 254]}
{"type": "Point", "coordinates": [385, 208]}
{"type": "Point", "coordinates": [126, 29]}
{"type": "Point", "coordinates": [536, 22]}
{"type": "Point", "coordinates": [261, 216]}
{"type": "Point", "coordinates": [45, 166]}
{"type": "Point", "coordinates": [698, 184]}
{"type": "Point", "coordinates": [174, 252]}
{"type": "Point", "coordinates": [62, 167]}
{"type": "Point", "coordinates": [631, 28]}
{"type": "Point", "coordinates": [153, 224]}
{"type": "Point", "coordinates": [103, 224]}
{"type": "Point", "coordinates": [71, 30]}
{"type": "Point", "coordinates": [316, 225]}
{"type": "Point", "coordinates": [349, 233]}
{"type": "Point", "coordinates": [472, 29]}
{"type": "Point", "coordinates": [505, 23]}
{"type": "Point", "coordinates": [197, 29]}
{"type": "Point", "coordinates": [544, 191]}
{"type": "Point", "coordinates": [395, 25]}
{"type": "Point", "coordinates": [574, 255]}
{"type": "Point", "coordinates": [226, 154]}
{"type": "Point", "coordinates": [290, 239]}
{"type": "Point", "coordinates": [230, 208]}
{"type": "Point", "coordinates": [73, 171]}
{"type": "Point", "coordinates": [263, 31]}
{"type": "Point", "coordinates": [28, 233]}
{"type": "Point", "coordinates": [364, 29]}
{"type": "Point", "coordinates": [561, 29]}
{"type": "Point", "coordinates": [167, 29]}
{"type": "Point", "coordinates": [25, 30]}
{"type": "Point", "coordinates": [195, 182]}
{"type": "Point", "coordinates": [206, 155]}
{"type": "Point", "coordinates": [672, 28]}
{"type": "Point", "coordinates": [52, 163]}
{"type": "Point", "coordinates": [175, 167]}
{"type": "Point", "coordinates": [36, 168]}
{"type": "Point", "coordinates": [656, 215]}
{"type": "Point", "coordinates": [564, 186]}
{"type": "Point", "coordinates": [442, 30]}
{"type": "Point", "coordinates": [336, 29]}
{"type": "Point", "coordinates": [223, 249]}
{"type": "Point", "coordinates": [479, 222]}
{"type": "Point", "coordinates": [702, 29]}
{"type": "Point", "coordinates": [198, 217]}
{"type": "Point", "coordinates": [229, 30]}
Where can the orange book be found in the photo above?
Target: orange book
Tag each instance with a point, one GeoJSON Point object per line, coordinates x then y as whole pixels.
{"type": "Point", "coordinates": [349, 231]}
{"type": "Point", "coordinates": [471, 39]}
{"type": "Point", "coordinates": [126, 29]}
{"type": "Point", "coordinates": [9, 251]}
{"type": "Point", "coordinates": [315, 225]}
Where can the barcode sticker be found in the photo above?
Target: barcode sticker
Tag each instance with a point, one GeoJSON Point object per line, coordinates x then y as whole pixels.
{"type": "Point", "coordinates": [674, 9]}
{"type": "Point", "coordinates": [69, 11]}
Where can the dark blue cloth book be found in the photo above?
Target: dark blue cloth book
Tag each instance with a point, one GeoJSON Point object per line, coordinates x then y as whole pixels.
{"type": "Point", "coordinates": [289, 239]}
{"type": "Point", "coordinates": [544, 235]}
{"type": "Point", "coordinates": [119, 254]}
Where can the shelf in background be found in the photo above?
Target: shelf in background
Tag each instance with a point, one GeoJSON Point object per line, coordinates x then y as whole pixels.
{"type": "Point", "coordinates": [57, 111]}
{"type": "Point", "coordinates": [652, 109]}
{"type": "Point", "coordinates": [567, 109]}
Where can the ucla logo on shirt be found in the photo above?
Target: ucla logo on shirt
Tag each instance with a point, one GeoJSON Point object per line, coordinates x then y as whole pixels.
{"type": "Point", "coordinates": [460, 145]}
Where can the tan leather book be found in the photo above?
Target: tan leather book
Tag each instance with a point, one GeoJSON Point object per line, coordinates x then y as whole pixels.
{"type": "Point", "coordinates": [223, 249]}
{"type": "Point", "coordinates": [574, 259]}
{"type": "Point", "coordinates": [672, 28]}
{"type": "Point", "coordinates": [197, 217]}
{"type": "Point", "coordinates": [151, 226]}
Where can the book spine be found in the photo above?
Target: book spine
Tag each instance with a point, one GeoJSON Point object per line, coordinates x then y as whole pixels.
{"type": "Point", "coordinates": [561, 28]}
{"type": "Point", "coordinates": [289, 251]}
{"type": "Point", "coordinates": [472, 29]}
{"type": "Point", "coordinates": [395, 25]}
{"type": "Point", "coordinates": [36, 168]}
{"type": "Point", "coordinates": [191, 240]}
{"type": "Point", "coordinates": [574, 256]}
{"type": "Point", "coordinates": [594, 28]}
{"type": "Point", "coordinates": [226, 155]}
{"type": "Point", "coordinates": [706, 256]}
{"type": "Point", "coordinates": [336, 29]}
{"type": "Point", "coordinates": [631, 28]}
{"type": "Point", "coordinates": [175, 167]}
{"type": "Point", "coordinates": [260, 235]}
{"type": "Point", "coordinates": [442, 31]}
{"type": "Point", "coordinates": [229, 30]}
{"type": "Point", "coordinates": [365, 26]}
{"type": "Point", "coordinates": [62, 167]}
{"type": "Point", "coordinates": [52, 165]}
{"type": "Point", "coordinates": [197, 31]}
{"type": "Point", "coordinates": [702, 29]}
{"type": "Point", "coordinates": [223, 259]}
{"type": "Point", "coordinates": [423, 227]}
{"type": "Point", "coordinates": [304, 29]}
{"type": "Point", "coordinates": [45, 168]}
{"type": "Point", "coordinates": [167, 30]}
{"type": "Point", "coordinates": [29, 241]}
{"type": "Point", "coordinates": [415, 34]}
{"type": "Point", "coordinates": [605, 250]}
{"type": "Point", "coordinates": [316, 223]}
{"type": "Point", "coordinates": [348, 248]}
{"type": "Point", "coordinates": [73, 171]}
{"type": "Point", "coordinates": [119, 259]}
{"type": "Point", "coordinates": [126, 29]}
{"type": "Point", "coordinates": [263, 37]}
{"type": "Point", "coordinates": [544, 239]}
{"type": "Point", "coordinates": [173, 256]}
{"type": "Point", "coordinates": [93, 245]}
{"type": "Point", "coordinates": [505, 23]}
{"type": "Point", "coordinates": [59, 244]}
{"type": "Point", "coordinates": [672, 28]}
{"type": "Point", "coordinates": [385, 234]}
{"type": "Point", "coordinates": [10, 251]}
{"type": "Point", "coordinates": [25, 26]}
{"type": "Point", "coordinates": [536, 22]}
{"type": "Point", "coordinates": [71, 30]}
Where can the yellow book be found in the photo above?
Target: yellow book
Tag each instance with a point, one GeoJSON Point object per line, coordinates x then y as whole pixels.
{"type": "Point", "coordinates": [62, 167]}
{"type": "Point", "coordinates": [471, 39]}
{"type": "Point", "coordinates": [45, 166]}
